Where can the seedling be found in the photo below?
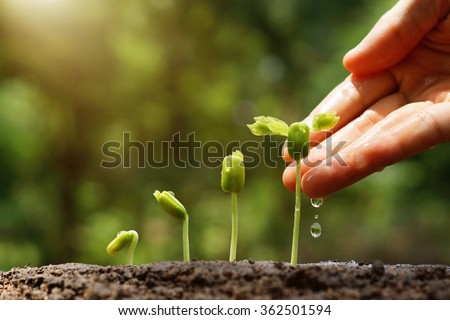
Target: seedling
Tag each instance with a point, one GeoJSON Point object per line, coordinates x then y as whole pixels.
{"type": "Point", "coordinates": [232, 180]}
{"type": "Point", "coordinates": [298, 144]}
{"type": "Point", "coordinates": [174, 207]}
{"type": "Point", "coordinates": [123, 239]}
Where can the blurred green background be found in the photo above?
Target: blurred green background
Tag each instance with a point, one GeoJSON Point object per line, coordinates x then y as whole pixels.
{"type": "Point", "coordinates": [76, 74]}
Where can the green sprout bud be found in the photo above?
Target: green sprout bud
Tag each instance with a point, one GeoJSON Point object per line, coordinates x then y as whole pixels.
{"type": "Point", "coordinates": [174, 207]}
{"type": "Point", "coordinates": [268, 125]}
{"type": "Point", "coordinates": [171, 204]}
{"type": "Point", "coordinates": [324, 121]}
{"type": "Point", "coordinates": [232, 180]}
{"type": "Point", "coordinates": [298, 140]}
{"type": "Point", "coordinates": [233, 172]}
{"type": "Point", "coordinates": [123, 239]}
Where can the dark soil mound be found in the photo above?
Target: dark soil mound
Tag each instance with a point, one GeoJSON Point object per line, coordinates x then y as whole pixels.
{"type": "Point", "coordinates": [224, 280]}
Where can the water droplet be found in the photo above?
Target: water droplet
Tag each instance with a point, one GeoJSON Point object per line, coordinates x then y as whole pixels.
{"type": "Point", "coordinates": [316, 229]}
{"type": "Point", "coordinates": [316, 216]}
{"type": "Point", "coordinates": [316, 203]}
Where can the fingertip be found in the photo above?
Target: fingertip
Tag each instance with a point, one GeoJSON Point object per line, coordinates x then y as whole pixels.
{"type": "Point", "coordinates": [285, 155]}
{"type": "Point", "coordinates": [325, 180]}
{"type": "Point", "coordinates": [347, 61]}
{"type": "Point", "coordinates": [358, 64]}
{"type": "Point", "coordinates": [313, 187]}
{"type": "Point", "coordinates": [289, 175]}
{"type": "Point", "coordinates": [288, 178]}
{"type": "Point", "coordinates": [316, 183]}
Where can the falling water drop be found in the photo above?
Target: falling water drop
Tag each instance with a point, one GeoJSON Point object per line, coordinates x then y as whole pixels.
{"type": "Point", "coordinates": [316, 203]}
{"type": "Point", "coordinates": [316, 229]}
{"type": "Point", "coordinates": [316, 216]}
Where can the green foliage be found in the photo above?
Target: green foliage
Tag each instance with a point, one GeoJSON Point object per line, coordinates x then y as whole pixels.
{"type": "Point", "coordinates": [77, 74]}
{"type": "Point", "coordinates": [324, 121]}
{"type": "Point", "coordinates": [268, 125]}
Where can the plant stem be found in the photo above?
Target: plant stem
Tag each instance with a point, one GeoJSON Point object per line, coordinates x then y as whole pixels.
{"type": "Point", "coordinates": [234, 226]}
{"type": "Point", "coordinates": [296, 231]}
{"type": "Point", "coordinates": [132, 247]}
{"type": "Point", "coordinates": [186, 255]}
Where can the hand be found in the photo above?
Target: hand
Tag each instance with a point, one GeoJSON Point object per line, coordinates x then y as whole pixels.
{"type": "Point", "coordinates": [396, 102]}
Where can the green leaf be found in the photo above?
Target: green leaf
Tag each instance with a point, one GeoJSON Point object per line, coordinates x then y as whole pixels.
{"type": "Point", "coordinates": [259, 129]}
{"type": "Point", "coordinates": [268, 125]}
{"type": "Point", "coordinates": [324, 121]}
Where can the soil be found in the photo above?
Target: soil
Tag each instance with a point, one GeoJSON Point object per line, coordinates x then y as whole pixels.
{"type": "Point", "coordinates": [225, 280]}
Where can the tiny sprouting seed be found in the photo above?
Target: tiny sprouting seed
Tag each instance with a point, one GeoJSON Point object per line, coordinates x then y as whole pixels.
{"type": "Point", "coordinates": [232, 180]}
{"type": "Point", "coordinates": [174, 207]}
{"type": "Point", "coordinates": [298, 144]}
{"type": "Point", "coordinates": [123, 239]}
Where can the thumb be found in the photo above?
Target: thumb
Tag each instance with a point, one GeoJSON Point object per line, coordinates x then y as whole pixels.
{"type": "Point", "coordinates": [395, 35]}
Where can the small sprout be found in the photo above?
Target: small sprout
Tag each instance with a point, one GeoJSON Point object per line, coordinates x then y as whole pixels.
{"type": "Point", "coordinates": [174, 207]}
{"type": "Point", "coordinates": [324, 121]}
{"type": "Point", "coordinates": [171, 204]}
{"type": "Point", "coordinates": [298, 144]}
{"type": "Point", "coordinates": [123, 239]}
{"type": "Point", "coordinates": [232, 180]}
{"type": "Point", "coordinates": [233, 172]}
